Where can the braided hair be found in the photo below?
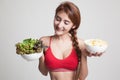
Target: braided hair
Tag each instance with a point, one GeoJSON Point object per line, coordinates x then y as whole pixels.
{"type": "Point", "coordinates": [75, 43]}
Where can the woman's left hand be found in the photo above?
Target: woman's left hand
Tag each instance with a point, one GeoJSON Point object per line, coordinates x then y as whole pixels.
{"type": "Point", "coordinates": [97, 54]}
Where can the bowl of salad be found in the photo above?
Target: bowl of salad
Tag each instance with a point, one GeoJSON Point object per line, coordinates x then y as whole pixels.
{"type": "Point", "coordinates": [95, 45]}
{"type": "Point", "coordinates": [30, 49]}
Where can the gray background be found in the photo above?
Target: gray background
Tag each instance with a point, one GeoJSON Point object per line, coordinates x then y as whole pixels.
{"type": "Point", "coordinates": [20, 19]}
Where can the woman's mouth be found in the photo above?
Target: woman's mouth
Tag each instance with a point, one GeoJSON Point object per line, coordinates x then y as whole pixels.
{"type": "Point", "coordinates": [60, 29]}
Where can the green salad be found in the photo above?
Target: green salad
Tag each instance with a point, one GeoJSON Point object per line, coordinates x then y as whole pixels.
{"type": "Point", "coordinates": [29, 46]}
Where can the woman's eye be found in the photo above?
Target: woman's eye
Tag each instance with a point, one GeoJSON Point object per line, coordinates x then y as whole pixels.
{"type": "Point", "coordinates": [58, 19]}
{"type": "Point", "coordinates": [66, 22]}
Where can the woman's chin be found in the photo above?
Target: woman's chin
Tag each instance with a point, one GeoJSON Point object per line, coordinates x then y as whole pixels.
{"type": "Point", "coordinates": [58, 33]}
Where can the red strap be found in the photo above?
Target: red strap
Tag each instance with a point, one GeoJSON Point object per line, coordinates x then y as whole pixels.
{"type": "Point", "coordinates": [50, 41]}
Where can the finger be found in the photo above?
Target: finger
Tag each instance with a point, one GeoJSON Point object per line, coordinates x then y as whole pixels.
{"type": "Point", "coordinates": [94, 54]}
{"type": "Point", "coordinates": [97, 54]}
{"type": "Point", "coordinates": [90, 55]}
{"type": "Point", "coordinates": [100, 54]}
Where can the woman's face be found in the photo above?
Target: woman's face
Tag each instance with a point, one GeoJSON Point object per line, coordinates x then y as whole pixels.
{"type": "Point", "coordinates": [62, 23]}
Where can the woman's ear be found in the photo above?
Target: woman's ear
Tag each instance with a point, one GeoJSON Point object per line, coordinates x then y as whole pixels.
{"type": "Point", "coordinates": [73, 27]}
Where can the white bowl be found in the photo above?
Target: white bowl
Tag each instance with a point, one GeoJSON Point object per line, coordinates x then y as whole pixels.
{"type": "Point", "coordinates": [95, 45]}
{"type": "Point", "coordinates": [31, 57]}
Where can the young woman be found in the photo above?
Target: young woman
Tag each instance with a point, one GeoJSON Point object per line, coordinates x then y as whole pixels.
{"type": "Point", "coordinates": [65, 57]}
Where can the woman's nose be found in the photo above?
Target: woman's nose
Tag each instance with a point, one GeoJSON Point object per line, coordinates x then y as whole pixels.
{"type": "Point", "coordinates": [60, 24]}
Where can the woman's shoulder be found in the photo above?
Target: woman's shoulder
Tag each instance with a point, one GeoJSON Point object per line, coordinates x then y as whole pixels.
{"type": "Point", "coordinates": [45, 40]}
{"type": "Point", "coordinates": [81, 43]}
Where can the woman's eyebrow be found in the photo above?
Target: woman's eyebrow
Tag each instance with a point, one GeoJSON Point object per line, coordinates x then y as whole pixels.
{"type": "Point", "coordinates": [57, 16]}
{"type": "Point", "coordinates": [67, 21]}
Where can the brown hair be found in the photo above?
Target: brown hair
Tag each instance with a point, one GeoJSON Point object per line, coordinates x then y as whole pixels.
{"type": "Point", "coordinates": [74, 14]}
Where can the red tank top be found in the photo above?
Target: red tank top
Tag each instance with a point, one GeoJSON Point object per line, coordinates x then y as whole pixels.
{"type": "Point", "coordinates": [55, 64]}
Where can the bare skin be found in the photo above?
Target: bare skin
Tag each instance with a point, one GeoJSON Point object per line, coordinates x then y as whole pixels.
{"type": "Point", "coordinates": [69, 75]}
{"type": "Point", "coordinates": [61, 46]}
{"type": "Point", "coordinates": [62, 75]}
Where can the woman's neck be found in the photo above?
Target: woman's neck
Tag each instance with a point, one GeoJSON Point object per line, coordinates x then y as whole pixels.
{"type": "Point", "coordinates": [62, 37]}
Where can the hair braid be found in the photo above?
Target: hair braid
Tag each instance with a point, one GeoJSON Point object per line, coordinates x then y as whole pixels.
{"type": "Point", "coordinates": [75, 43]}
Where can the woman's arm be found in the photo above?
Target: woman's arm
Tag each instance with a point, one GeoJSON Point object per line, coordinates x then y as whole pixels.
{"type": "Point", "coordinates": [82, 67]}
{"type": "Point", "coordinates": [42, 68]}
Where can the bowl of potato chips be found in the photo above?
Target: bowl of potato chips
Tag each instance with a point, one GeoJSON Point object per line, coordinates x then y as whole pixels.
{"type": "Point", "coordinates": [96, 45]}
